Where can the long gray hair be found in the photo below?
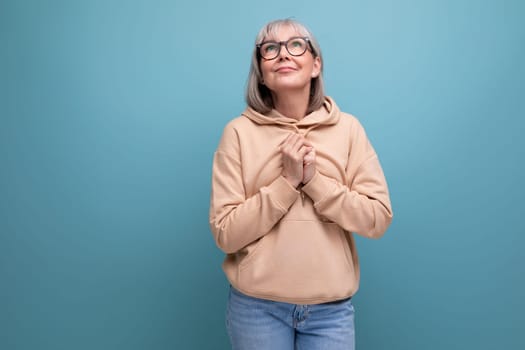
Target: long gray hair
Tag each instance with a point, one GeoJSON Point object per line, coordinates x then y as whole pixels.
{"type": "Point", "coordinates": [258, 96]}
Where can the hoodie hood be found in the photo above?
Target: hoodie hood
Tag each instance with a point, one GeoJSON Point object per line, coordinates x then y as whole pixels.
{"type": "Point", "coordinates": [328, 114]}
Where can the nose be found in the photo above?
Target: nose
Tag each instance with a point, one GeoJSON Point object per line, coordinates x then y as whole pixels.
{"type": "Point", "coordinates": [283, 52]}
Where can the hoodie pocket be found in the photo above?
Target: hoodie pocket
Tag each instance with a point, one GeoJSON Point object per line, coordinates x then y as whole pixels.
{"type": "Point", "coordinates": [251, 250]}
{"type": "Point", "coordinates": [300, 260]}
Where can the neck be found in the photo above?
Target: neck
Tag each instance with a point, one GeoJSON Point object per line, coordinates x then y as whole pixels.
{"type": "Point", "coordinates": [292, 104]}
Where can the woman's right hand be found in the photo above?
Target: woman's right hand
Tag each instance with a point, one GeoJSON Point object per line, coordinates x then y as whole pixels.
{"type": "Point", "coordinates": [293, 149]}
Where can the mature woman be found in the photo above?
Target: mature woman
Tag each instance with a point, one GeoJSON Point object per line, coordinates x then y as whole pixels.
{"type": "Point", "coordinates": [293, 178]}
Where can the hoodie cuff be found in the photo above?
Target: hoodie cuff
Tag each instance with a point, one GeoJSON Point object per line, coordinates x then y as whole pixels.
{"type": "Point", "coordinates": [318, 187]}
{"type": "Point", "coordinates": [283, 193]}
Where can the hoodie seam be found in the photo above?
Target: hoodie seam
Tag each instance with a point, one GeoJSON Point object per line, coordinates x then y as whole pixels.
{"type": "Point", "coordinates": [229, 156]}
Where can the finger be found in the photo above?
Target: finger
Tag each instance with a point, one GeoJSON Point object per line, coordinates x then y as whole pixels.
{"type": "Point", "coordinates": [308, 159]}
{"type": "Point", "coordinates": [302, 151]}
{"type": "Point", "coordinates": [292, 144]}
{"type": "Point", "coordinates": [287, 139]}
{"type": "Point", "coordinates": [310, 156]}
{"type": "Point", "coordinates": [311, 151]}
{"type": "Point", "coordinates": [308, 144]}
{"type": "Point", "coordinates": [299, 142]}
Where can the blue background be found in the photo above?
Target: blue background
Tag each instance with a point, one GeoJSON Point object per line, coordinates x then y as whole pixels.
{"type": "Point", "coordinates": [111, 111]}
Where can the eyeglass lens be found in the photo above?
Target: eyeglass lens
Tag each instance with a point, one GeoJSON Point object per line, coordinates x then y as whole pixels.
{"type": "Point", "coordinates": [294, 46]}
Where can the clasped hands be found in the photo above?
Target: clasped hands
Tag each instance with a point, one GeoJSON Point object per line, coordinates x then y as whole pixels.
{"type": "Point", "coordinates": [298, 156]}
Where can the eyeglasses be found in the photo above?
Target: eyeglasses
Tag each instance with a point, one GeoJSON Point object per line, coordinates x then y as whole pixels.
{"type": "Point", "coordinates": [295, 46]}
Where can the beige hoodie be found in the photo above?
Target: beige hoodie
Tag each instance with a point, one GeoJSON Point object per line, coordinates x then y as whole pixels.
{"type": "Point", "coordinates": [288, 244]}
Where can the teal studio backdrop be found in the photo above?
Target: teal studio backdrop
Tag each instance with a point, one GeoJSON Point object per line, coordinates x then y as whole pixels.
{"type": "Point", "coordinates": [110, 114]}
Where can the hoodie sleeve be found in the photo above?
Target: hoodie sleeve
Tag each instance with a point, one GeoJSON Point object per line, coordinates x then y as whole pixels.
{"type": "Point", "coordinates": [236, 220]}
{"type": "Point", "coordinates": [364, 205]}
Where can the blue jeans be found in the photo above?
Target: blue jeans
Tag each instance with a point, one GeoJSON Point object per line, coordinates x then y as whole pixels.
{"type": "Point", "coordinates": [259, 324]}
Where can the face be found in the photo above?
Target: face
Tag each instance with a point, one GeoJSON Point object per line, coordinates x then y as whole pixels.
{"type": "Point", "coordinates": [286, 72]}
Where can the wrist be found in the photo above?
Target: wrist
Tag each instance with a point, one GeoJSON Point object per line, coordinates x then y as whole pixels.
{"type": "Point", "coordinates": [293, 182]}
{"type": "Point", "coordinates": [308, 178]}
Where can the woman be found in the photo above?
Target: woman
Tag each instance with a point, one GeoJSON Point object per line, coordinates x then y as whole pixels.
{"type": "Point", "coordinates": [293, 177]}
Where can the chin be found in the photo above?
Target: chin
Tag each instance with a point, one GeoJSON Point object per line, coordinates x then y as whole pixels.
{"type": "Point", "coordinates": [289, 87]}
{"type": "Point", "coordinates": [288, 84]}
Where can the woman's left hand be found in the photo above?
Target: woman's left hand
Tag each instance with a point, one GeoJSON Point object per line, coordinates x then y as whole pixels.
{"type": "Point", "coordinates": [309, 166]}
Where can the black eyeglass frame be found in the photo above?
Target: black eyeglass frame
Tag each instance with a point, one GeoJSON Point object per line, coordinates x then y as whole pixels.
{"type": "Point", "coordinates": [285, 44]}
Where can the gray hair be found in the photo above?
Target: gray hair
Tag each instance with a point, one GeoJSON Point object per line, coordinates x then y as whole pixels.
{"type": "Point", "coordinates": [258, 96]}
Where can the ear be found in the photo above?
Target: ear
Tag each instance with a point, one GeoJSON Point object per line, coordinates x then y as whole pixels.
{"type": "Point", "coordinates": [317, 67]}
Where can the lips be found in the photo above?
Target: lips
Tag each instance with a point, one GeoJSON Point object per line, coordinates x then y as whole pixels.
{"type": "Point", "coordinates": [285, 69]}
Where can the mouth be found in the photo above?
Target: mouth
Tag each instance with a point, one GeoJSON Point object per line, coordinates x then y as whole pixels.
{"type": "Point", "coordinates": [285, 69]}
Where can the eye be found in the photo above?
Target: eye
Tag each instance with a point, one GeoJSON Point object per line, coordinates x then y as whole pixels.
{"type": "Point", "coordinates": [269, 47]}
{"type": "Point", "coordinates": [297, 43]}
